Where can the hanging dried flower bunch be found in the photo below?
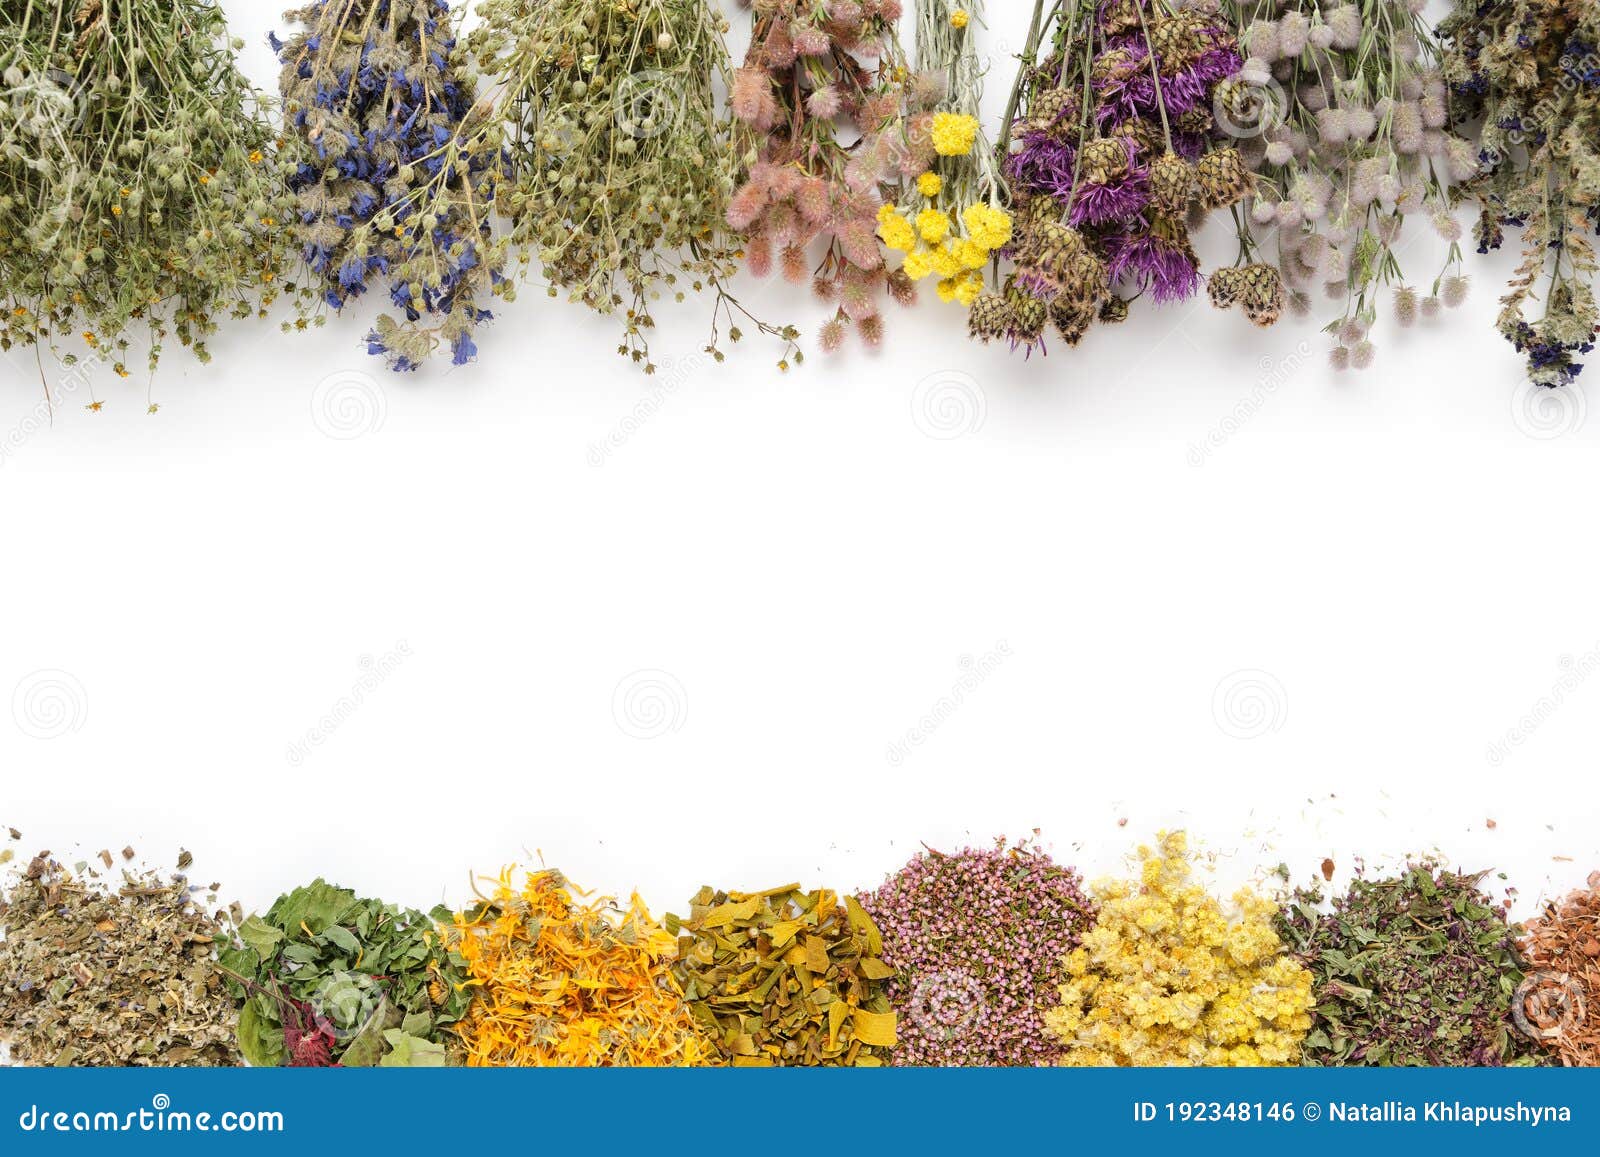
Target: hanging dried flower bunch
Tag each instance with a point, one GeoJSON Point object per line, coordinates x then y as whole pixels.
{"type": "Point", "coordinates": [952, 219]}
{"type": "Point", "coordinates": [1530, 73]}
{"type": "Point", "coordinates": [622, 163]}
{"type": "Point", "coordinates": [140, 187]}
{"type": "Point", "coordinates": [1114, 156]}
{"type": "Point", "coordinates": [396, 171]}
{"type": "Point", "coordinates": [1342, 111]}
{"type": "Point", "coordinates": [818, 73]}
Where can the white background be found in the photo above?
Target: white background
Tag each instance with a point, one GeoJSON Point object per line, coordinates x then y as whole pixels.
{"type": "Point", "coordinates": [1227, 589]}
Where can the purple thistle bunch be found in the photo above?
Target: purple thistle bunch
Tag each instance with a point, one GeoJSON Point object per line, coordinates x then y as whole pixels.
{"type": "Point", "coordinates": [976, 939]}
{"type": "Point", "coordinates": [1114, 157]}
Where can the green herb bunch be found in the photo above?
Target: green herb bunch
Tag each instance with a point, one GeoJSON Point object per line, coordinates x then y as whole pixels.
{"type": "Point", "coordinates": [396, 161]}
{"type": "Point", "coordinates": [1420, 968]}
{"type": "Point", "coordinates": [622, 162]}
{"type": "Point", "coordinates": [1530, 72]}
{"type": "Point", "coordinates": [327, 978]}
{"type": "Point", "coordinates": [140, 183]}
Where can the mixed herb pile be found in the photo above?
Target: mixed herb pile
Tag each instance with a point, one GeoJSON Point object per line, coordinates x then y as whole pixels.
{"type": "Point", "coordinates": [326, 978]}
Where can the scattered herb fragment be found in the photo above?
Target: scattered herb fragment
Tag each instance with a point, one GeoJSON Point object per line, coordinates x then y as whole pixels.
{"type": "Point", "coordinates": [786, 977]}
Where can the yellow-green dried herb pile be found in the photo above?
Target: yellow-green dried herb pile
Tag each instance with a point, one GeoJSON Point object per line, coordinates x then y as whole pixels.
{"type": "Point", "coordinates": [141, 194]}
{"type": "Point", "coordinates": [104, 971]}
{"type": "Point", "coordinates": [786, 977]}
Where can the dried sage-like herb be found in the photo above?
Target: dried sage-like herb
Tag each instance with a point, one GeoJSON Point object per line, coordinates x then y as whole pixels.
{"type": "Point", "coordinates": [786, 977]}
{"type": "Point", "coordinates": [95, 972]}
{"type": "Point", "coordinates": [1414, 969]}
{"type": "Point", "coordinates": [327, 978]}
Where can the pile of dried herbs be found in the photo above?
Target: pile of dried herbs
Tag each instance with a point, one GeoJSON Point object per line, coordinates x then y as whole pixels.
{"type": "Point", "coordinates": [327, 978]}
{"type": "Point", "coordinates": [1415, 969]}
{"type": "Point", "coordinates": [558, 979]}
{"type": "Point", "coordinates": [622, 160]}
{"type": "Point", "coordinates": [140, 187]}
{"type": "Point", "coordinates": [1559, 1003]}
{"type": "Point", "coordinates": [976, 939]}
{"type": "Point", "coordinates": [94, 971]}
{"type": "Point", "coordinates": [395, 164]}
{"type": "Point", "coordinates": [786, 977]}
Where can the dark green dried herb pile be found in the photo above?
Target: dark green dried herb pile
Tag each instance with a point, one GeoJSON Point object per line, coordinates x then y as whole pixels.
{"type": "Point", "coordinates": [96, 971]}
{"type": "Point", "coordinates": [328, 978]}
{"type": "Point", "coordinates": [1414, 969]}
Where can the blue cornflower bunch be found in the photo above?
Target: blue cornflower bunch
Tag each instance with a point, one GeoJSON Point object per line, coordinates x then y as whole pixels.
{"type": "Point", "coordinates": [396, 173]}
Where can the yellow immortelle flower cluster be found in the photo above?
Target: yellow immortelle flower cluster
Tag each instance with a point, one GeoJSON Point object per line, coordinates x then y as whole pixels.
{"type": "Point", "coordinates": [954, 134]}
{"type": "Point", "coordinates": [1167, 977]}
{"type": "Point", "coordinates": [933, 244]}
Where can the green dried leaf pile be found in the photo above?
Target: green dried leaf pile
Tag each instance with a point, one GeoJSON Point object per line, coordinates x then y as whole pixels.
{"type": "Point", "coordinates": [328, 978]}
{"type": "Point", "coordinates": [786, 977]}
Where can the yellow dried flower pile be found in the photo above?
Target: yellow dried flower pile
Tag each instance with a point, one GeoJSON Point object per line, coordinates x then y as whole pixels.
{"type": "Point", "coordinates": [1169, 975]}
{"type": "Point", "coordinates": [561, 980]}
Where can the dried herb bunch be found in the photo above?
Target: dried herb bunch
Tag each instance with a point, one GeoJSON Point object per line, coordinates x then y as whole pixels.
{"type": "Point", "coordinates": [395, 174]}
{"type": "Point", "coordinates": [819, 73]}
{"type": "Point", "coordinates": [1170, 975]}
{"type": "Point", "coordinates": [976, 938]}
{"type": "Point", "coordinates": [140, 186]}
{"type": "Point", "coordinates": [1114, 157]}
{"type": "Point", "coordinates": [1418, 968]}
{"type": "Point", "coordinates": [1530, 73]}
{"type": "Point", "coordinates": [326, 978]}
{"type": "Point", "coordinates": [622, 162]}
{"type": "Point", "coordinates": [1559, 1003]}
{"type": "Point", "coordinates": [952, 219]}
{"type": "Point", "coordinates": [1344, 115]}
{"type": "Point", "coordinates": [785, 977]}
{"type": "Point", "coordinates": [559, 979]}
{"type": "Point", "coordinates": [94, 971]}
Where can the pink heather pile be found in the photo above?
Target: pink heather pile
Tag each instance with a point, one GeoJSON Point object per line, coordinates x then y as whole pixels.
{"type": "Point", "coordinates": [977, 939]}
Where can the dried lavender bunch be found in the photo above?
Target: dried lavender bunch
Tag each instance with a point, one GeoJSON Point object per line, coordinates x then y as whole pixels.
{"type": "Point", "coordinates": [140, 186]}
{"type": "Point", "coordinates": [1344, 114]}
{"type": "Point", "coordinates": [396, 171]}
{"type": "Point", "coordinates": [622, 163]}
{"type": "Point", "coordinates": [952, 219]}
{"type": "Point", "coordinates": [1114, 157]}
{"type": "Point", "coordinates": [816, 72]}
{"type": "Point", "coordinates": [1530, 73]}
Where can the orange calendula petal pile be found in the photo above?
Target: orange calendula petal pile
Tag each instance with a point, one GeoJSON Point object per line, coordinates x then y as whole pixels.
{"type": "Point", "coordinates": [562, 980]}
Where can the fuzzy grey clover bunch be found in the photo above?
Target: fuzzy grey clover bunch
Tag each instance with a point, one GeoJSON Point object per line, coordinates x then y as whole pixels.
{"type": "Point", "coordinates": [1344, 114]}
